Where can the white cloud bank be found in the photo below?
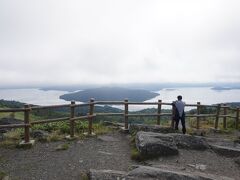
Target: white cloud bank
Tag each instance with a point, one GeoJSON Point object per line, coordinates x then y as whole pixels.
{"type": "Point", "coordinates": [109, 41]}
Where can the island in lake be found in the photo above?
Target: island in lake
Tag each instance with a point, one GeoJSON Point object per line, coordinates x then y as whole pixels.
{"type": "Point", "coordinates": [110, 94]}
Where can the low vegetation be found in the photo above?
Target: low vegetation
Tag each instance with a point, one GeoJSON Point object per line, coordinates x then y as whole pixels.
{"type": "Point", "coordinates": [12, 138]}
{"type": "Point", "coordinates": [58, 130]}
{"type": "Point", "coordinates": [2, 175]}
{"type": "Point", "coordinates": [62, 147]}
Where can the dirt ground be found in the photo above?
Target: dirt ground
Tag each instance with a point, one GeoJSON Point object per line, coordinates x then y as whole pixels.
{"type": "Point", "coordinates": [110, 151]}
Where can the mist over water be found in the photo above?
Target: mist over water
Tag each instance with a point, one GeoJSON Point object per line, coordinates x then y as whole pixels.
{"type": "Point", "coordinates": [33, 96]}
{"type": "Point", "coordinates": [191, 95]}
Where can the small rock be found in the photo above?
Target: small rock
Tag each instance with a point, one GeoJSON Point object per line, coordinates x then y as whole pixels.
{"type": "Point", "coordinates": [106, 174]}
{"type": "Point", "coordinates": [106, 153]}
{"type": "Point", "coordinates": [80, 142]}
{"type": "Point", "coordinates": [213, 130]}
{"type": "Point", "coordinates": [183, 168]}
{"type": "Point", "coordinates": [107, 138]}
{"type": "Point", "coordinates": [39, 134]}
{"type": "Point", "coordinates": [201, 167]}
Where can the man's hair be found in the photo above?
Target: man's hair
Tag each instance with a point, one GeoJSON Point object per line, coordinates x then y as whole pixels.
{"type": "Point", "coordinates": [179, 97]}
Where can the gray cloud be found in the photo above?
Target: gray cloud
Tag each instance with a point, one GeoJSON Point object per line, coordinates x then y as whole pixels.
{"type": "Point", "coordinates": [71, 42]}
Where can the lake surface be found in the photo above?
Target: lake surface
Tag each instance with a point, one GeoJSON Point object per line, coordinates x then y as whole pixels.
{"type": "Point", "coordinates": [191, 95]}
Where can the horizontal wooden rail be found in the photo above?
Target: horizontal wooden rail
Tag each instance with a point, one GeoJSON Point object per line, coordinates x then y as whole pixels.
{"type": "Point", "coordinates": [50, 107]}
{"type": "Point", "coordinates": [222, 111]}
{"type": "Point", "coordinates": [12, 110]}
{"type": "Point", "coordinates": [143, 103]}
{"type": "Point", "coordinates": [110, 102]}
{"type": "Point", "coordinates": [200, 115]}
{"type": "Point", "coordinates": [82, 105]}
{"type": "Point", "coordinates": [109, 114]}
{"type": "Point", "coordinates": [14, 125]}
{"type": "Point", "coordinates": [146, 115]}
{"type": "Point", "coordinates": [49, 120]}
{"type": "Point", "coordinates": [162, 114]}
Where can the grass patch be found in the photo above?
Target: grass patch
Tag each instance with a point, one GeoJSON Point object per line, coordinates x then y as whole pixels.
{"type": "Point", "coordinates": [8, 144]}
{"type": "Point", "coordinates": [84, 176]}
{"type": "Point", "coordinates": [135, 154]}
{"type": "Point", "coordinates": [101, 129]}
{"type": "Point", "coordinates": [62, 147]}
{"type": "Point", "coordinates": [2, 175]}
{"type": "Point", "coordinates": [12, 138]}
{"type": "Point", "coordinates": [16, 134]}
{"type": "Point", "coordinates": [55, 136]}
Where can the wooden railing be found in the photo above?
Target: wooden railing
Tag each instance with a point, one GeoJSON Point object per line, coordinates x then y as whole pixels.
{"type": "Point", "coordinates": [72, 117]}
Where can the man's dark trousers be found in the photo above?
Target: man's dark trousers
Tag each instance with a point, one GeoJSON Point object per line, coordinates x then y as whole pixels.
{"type": "Point", "coordinates": [182, 118]}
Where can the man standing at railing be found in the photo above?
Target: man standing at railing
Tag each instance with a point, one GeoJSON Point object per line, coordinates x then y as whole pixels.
{"type": "Point", "coordinates": [179, 113]}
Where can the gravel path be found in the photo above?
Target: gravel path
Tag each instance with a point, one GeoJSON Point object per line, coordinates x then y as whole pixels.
{"type": "Point", "coordinates": [110, 151]}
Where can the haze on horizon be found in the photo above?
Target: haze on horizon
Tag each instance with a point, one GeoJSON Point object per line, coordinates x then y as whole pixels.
{"type": "Point", "coordinates": [56, 42]}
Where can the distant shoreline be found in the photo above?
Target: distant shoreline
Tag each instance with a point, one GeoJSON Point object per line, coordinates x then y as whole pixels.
{"type": "Point", "coordinates": [224, 88]}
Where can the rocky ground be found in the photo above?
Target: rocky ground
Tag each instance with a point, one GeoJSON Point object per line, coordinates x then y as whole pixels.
{"type": "Point", "coordinates": [44, 162]}
{"type": "Point", "coordinates": [111, 151]}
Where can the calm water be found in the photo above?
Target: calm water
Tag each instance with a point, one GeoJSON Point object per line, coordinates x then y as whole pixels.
{"type": "Point", "coordinates": [190, 95]}
{"type": "Point", "coordinates": [203, 95]}
{"type": "Point", "coordinates": [33, 96]}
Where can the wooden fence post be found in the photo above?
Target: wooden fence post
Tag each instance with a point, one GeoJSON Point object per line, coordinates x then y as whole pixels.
{"type": "Point", "coordinates": [72, 114]}
{"type": "Point", "coordinates": [225, 118]}
{"type": "Point", "coordinates": [26, 122]}
{"type": "Point", "coordinates": [126, 114]}
{"type": "Point", "coordinates": [90, 119]}
{"type": "Point", "coordinates": [159, 111]}
{"type": "Point", "coordinates": [217, 116]}
{"type": "Point", "coordinates": [173, 115]}
{"type": "Point", "coordinates": [237, 117]}
{"type": "Point", "coordinates": [198, 113]}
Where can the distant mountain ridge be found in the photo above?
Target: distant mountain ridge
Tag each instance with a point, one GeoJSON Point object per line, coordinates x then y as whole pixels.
{"type": "Point", "coordinates": [110, 94]}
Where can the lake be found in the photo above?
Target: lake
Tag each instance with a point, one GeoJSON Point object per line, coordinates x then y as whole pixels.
{"type": "Point", "coordinates": [205, 95]}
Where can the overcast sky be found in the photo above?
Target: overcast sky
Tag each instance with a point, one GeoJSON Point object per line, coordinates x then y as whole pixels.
{"type": "Point", "coordinates": [119, 41]}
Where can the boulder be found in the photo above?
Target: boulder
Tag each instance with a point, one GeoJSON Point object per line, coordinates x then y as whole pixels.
{"type": "Point", "coordinates": [39, 134]}
{"type": "Point", "coordinates": [150, 128]}
{"type": "Point", "coordinates": [190, 142]}
{"type": "Point", "coordinates": [151, 173]}
{"type": "Point", "coordinates": [155, 144]}
{"type": "Point", "coordinates": [226, 150]}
